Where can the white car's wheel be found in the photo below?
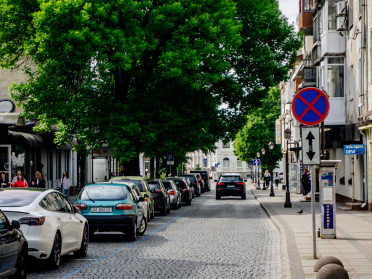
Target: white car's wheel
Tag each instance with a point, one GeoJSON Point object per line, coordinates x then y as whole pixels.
{"type": "Point", "coordinates": [83, 251]}
{"type": "Point", "coordinates": [141, 230]}
{"type": "Point", "coordinates": [55, 255]}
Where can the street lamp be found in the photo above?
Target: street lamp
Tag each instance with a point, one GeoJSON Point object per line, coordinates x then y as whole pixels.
{"type": "Point", "coordinates": [272, 194]}
{"type": "Point", "coordinates": [258, 170]}
{"type": "Point", "coordinates": [264, 183]}
{"type": "Point", "coordinates": [287, 135]}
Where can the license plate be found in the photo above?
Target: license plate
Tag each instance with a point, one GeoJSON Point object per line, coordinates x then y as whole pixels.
{"type": "Point", "coordinates": [101, 209]}
{"type": "Point", "coordinates": [231, 186]}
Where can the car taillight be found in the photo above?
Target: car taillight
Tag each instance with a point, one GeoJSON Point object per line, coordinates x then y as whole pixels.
{"type": "Point", "coordinates": [32, 221]}
{"type": "Point", "coordinates": [240, 183]}
{"type": "Point", "coordinates": [220, 184]}
{"type": "Point", "coordinates": [195, 183]}
{"type": "Point", "coordinates": [81, 205]}
{"type": "Point", "coordinates": [124, 206]}
{"type": "Point", "coordinates": [185, 190]}
{"type": "Point", "coordinates": [158, 191]}
{"type": "Point", "coordinates": [171, 193]}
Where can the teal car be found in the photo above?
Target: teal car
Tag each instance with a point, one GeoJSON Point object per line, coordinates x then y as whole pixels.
{"type": "Point", "coordinates": [113, 207]}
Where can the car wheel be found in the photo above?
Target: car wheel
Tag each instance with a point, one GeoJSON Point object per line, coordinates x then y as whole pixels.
{"type": "Point", "coordinates": [169, 206]}
{"type": "Point", "coordinates": [83, 251]}
{"type": "Point", "coordinates": [55, 255]}
{"type": "Point", "coordinates": [21, 265]}
{"type": "Point", "coordinates": [141, 230]}
{"type": "Point", "coordinates": [131, 235]}
{"type": "Point", "coordinates": [148, 216]}
{"type": "Point", "coordinates": [203, 190]}
{"type": "Point", "coordinates": [218, 197]}
{"type": "Point", "coordinates": [244, 197]}
{"type": "Point", "coordinates": [163, 211]}
{"type": "Point", "coordinates": [189, 202]}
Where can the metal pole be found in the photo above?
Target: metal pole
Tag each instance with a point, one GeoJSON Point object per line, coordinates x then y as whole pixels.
{"type": "Point", "coordinates": [272, 194]}
{"type": "Point", "coordinates": [313, 209]}
{"type": "Point", "coordinates": [287, 203]}
{"type": "Point", "coordinates": [258, 172]}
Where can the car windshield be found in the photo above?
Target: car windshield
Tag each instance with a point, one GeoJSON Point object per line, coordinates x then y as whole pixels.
{"type": "Point", "coordinates": [203, 174]}
{"type": "Point", "coordinates": [191, 177]}
{"type": "Point", "coordinates": [137, 182]}
{"type": "Point", "coordinates": [230, 178]}
{"type": "Point", "coordinates": [103, 193]}
{"type": "Point", "coordinates": [153, 185]}
{"type": "Point", "coordinates": [179, 183]}
{"type": "Point", "coordinates": [168, 185]}
{"type": "Point", "coordinates": [17, 198]}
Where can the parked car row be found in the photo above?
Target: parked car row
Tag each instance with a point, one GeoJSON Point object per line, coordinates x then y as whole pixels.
{"type": "Point", "coordinates": [44, 225]}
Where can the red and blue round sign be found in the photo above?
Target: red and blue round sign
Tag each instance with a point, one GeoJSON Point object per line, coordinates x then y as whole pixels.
{"type": "Point", "coordinates": [310, 106]}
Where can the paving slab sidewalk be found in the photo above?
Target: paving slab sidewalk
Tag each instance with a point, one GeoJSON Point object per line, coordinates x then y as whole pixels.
{"type": "Point", "coordinates": [353, 243]}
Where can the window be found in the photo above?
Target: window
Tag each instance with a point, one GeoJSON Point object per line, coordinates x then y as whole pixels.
{"type": "Point", "coordinates": [226, 145]}
{"type": "Point", "coordinates": [226, 162]}
{"type": "Point", "coordinates": [332, 20]}
{"type": "Point", "coordinates": [239, 164]}
{"type": "Point", "coordinates": [335, 77]}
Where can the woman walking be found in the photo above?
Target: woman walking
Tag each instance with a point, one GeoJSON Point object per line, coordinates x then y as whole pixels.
{"type": "Point", "coordinates": [65, 185]}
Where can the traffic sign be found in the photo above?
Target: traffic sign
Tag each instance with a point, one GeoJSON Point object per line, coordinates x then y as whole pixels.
{"type": "Point", "coordinates": [170, 159]}
{"type": "Point", "coordinates": [310, 106]}
{"type": "Point", "coordinates": [310, 146]}
{"type": "Point", "coordinates": [354, 149]}
{"type": "Point", "coordinates": [256, 162]}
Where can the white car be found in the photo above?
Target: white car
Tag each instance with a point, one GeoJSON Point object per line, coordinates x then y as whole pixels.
{"type": "Point", "coordinates": [51, 225]}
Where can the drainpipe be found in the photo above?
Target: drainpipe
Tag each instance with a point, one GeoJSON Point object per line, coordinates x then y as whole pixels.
{"type": "Point", "coordinates": [363, 132]}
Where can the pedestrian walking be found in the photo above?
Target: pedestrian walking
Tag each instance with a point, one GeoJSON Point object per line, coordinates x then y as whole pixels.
{"type": "Point", "coordinates": [267, 178]}
{"type": "Point", "coordinates": [277, 180]}
{"type": "Point", "coordinates": [38, 181]}
{"type": "Point", "coordinates": [65, 185]}
{"type": "Point", "coordinates": [3, 180]}
{"type": "Point", "coordinates": [21, 181]}
{"type": "Point", "coordinates": [305, 180]}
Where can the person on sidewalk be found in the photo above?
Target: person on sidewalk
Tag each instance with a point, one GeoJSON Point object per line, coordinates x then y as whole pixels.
{"type": "Point", "coordinates": [21, 182]}
{"type": "Point", "coordinates": [65, 185]}
{"type": "Point", "coordinates": [38, 181]}
{"type": "Point", "coordinates": [277, 180]}
{"type": "Point", "coordinates": [267, 178]}
{"type": "Point", "coordinates": [305, 180]}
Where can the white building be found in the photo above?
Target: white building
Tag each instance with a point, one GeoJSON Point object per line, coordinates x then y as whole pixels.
{"type": "Point", "coordinates": [221, 161]}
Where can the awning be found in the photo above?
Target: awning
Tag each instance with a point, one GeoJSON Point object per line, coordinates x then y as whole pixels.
{"type": "Point", "coordinates": [12, 118]}
{"type": "Point", "coordinates": [365, 114]}
{"type": "Point", "coordinates": [27, 139]}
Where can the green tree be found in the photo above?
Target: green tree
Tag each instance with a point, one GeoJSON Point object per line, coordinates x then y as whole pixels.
{"type": "Point", "coordinates": [259, 131]}
{"type": "Point", "coordinates": [139, 74]}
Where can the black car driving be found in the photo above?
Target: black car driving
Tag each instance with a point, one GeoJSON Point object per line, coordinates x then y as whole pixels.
{"type": "Point", "coordinates": [230, 185]}
{"type": "Point", "coordinates": [160, 195]}
{"type": "Point", "coordinates": [13, 249]}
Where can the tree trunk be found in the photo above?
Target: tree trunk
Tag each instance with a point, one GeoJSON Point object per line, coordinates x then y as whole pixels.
{"type": "Point", "coordinates": [132, 168]}
{"type": "Point", "coordinates": [82, 161]}
{"type": "Point", "coordinates": [152, 167]}
{"type": "Point", "coordinates": [157, 161]}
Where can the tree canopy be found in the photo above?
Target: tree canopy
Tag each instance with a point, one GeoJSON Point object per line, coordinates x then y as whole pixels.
{"type": "Point", "coordinates": [258, 131]}
{"type": "Point", "coordinates": [146, 76]}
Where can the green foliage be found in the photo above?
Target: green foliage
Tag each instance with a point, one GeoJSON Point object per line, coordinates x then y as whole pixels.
{"type": "Point", "coordinates": [156, 77]}
{"type": "Point", "coordinates": [259, 131]}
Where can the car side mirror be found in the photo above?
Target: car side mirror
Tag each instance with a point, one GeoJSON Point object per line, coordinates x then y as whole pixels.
{"type": "Point", "coordinates": [16, 224]}
{"type": "Point", "coordinates": [215, 180]}
{"type": "Point", "coordinates": [152, 190]}
{"type": "Point", "coordinates": [245, 180]}
{"type": "Point", "coordinates": [147, 196]}
{"type": "Point", "coordinates": [76, 209]}
{"type": "Point", "coordinates": [141, 199]}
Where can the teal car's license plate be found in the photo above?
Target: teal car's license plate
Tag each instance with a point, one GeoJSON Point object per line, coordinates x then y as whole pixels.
{"type": "Point", "coordinates": [101, 209]}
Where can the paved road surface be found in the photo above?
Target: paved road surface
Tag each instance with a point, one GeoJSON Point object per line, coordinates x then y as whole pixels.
{"type": "Point", "coordinates": [228, 238]}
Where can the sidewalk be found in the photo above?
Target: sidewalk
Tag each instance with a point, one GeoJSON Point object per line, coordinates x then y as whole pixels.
{"type": "Point", "coordinates": [353, 245]}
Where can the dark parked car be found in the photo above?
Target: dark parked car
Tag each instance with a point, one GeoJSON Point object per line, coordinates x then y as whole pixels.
{"type": "Point", "coordinates": [205, 177]}
{"type": "Point", "coordinates": [160, 195]}
{"type": "Point", "coordinates": [230, 185]}
{"type": "Point", "coordinates": [13, 249]}
{"type": "Point", "coordinates": [194, 183]}
{"type": "Point", "coordinates": [186, 191]}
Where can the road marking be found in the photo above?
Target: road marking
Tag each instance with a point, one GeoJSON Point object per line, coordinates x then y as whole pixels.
{"type": "Point", "coordinates": [125, 247]}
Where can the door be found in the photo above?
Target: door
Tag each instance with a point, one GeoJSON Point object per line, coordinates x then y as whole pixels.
{"type": "Point", "coordinates": [9, 244]}
{"type": "Point", "coordinates": [5, 160]}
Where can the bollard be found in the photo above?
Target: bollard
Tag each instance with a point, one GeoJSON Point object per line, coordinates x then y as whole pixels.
{"type": "Point", "coordinates": [326, 260]}
{"type": "Point", "coordinates": [332, 271]}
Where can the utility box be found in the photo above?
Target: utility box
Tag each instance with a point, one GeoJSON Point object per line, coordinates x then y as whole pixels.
{"type": "Point", "coordinates": [327, 183]}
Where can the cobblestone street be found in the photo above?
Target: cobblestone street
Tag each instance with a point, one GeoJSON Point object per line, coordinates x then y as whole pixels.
{"type": "Point", "coordinates": [228, 238]}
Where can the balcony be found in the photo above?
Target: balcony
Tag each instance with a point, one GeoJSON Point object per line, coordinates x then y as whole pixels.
{"type": "Point", "coordinates": [305, 22]}
{"type": "Point", "coordinates": [332, 43]}
{"type": "Point", "coordinates": [308, 77]}
{"type": "Point", "coordinates": [336, 115]}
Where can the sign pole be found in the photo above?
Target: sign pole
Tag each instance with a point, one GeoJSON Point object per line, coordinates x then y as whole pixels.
{"type": "Point", "coordinates": [313, 209]}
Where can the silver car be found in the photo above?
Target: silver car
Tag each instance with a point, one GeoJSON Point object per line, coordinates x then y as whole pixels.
{"type": "Point", "coordinates": [174, 193]}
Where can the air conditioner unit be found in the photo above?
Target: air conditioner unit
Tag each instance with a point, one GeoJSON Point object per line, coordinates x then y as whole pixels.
{"type": "Point", "coordinates": [341, 8]}
{"type": "Point", "coordinates": [341, 23]}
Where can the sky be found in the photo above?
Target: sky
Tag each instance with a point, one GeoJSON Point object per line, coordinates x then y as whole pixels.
{"type": "Point", "coordinates": [290, 9]}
